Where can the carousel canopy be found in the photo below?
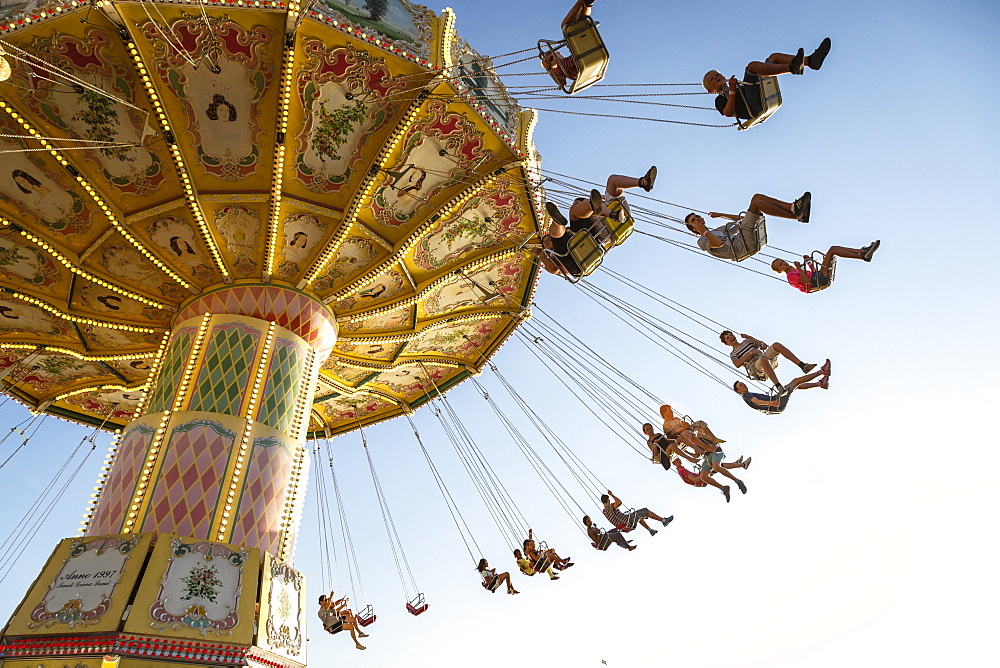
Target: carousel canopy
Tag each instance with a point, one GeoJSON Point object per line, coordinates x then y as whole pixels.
{"type": "Point", "coordinates": [155, 152]}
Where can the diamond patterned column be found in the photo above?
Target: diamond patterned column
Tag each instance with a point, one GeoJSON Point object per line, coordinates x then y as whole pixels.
{"type": "Point", "coordinates": [218, 454]}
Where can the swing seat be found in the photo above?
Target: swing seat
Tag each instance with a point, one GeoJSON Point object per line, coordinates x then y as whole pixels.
{"type": "Point", "coordinates": [366, 616]}
{"type": "Point", "coordinates": [584, 250]}
{"type": "Point", "coordinates": [417, 606]}
{"type": "Point", "coordinates": [587, 50]}
{"type": "Point", "coordinates": [814, 264]}
{"type": "Point", "coordinates": [770, 101]}
{"type": "Point", "coordinates": [746, 242]}
{"type": "Point", "coordinates": [620, 223]}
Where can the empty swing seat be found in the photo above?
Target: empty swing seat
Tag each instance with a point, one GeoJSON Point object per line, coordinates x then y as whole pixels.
{"type": "Point", "coordinates": [770, 101]}
{"type": "Point", "coordinates": [587, 51]}
{"type": "Point", "coordinates": [417, 606]}
{"type": "Point", "coordinates": [366, 616]}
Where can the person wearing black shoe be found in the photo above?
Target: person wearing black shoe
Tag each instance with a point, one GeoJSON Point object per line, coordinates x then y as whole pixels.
{"type": "Point", "coordinates": [556, 258]}
{"type": "Point", "coordinates": [801, 278]}
{"type": "Point", "coordinates": [588, 213]}
{"type": "Point", "coordinates": [741, 99]}
{"type": "Point", "coordinates": [738, 239]}
{"type": "Point", "coordinates": [758, 358]}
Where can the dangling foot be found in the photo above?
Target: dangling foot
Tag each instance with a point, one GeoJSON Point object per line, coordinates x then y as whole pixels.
{"type": "Point", "coordinates": [668, 520]}
{"type": "Point", "coordinates": [869, 250]}
{"type": "Point", "coordinates": [743, 488]}
{"type": "Point", "coordinates": [817, 57]}
{"type": "Point", "coordinates": [796, 66]}
{"type": "Point", "coordinates": [725, 493]}
{"type": "Point", "coordinates": [653, 532]}
{"type": "Point", "coordinates": [824, 382]}
{"type": "Point", "coordinates": [568, 564]}
{"type": "Point", "coordinates": [806, 367]}
{"type": "Point", "coordinates": [553, 577]}
{"type": "Point", "coordinates": [632, 547]}
{"type": "Point", "coordinates": [781, 390]}
{"type": "Point", "coordinates": [513, 591]}
{"type": "Point", "coordinates": [596, 202]}
{"type": "Point", "coordinates": [826, 368]}
{"type": "Point", "coordinates": [802, 206]}
{"type": "Point", "coordinates": [555, 214]}
{"type": "Point", "coordinates": [746, 464]}
{"type": "Point", "coordinates": [362, 635]}
{"type": "Point", "coordinates": [360, 646]}
{"type": "Point", "coordinates": [647, 181]}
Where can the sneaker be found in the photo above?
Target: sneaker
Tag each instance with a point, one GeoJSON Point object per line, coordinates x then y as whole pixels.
{"type": "Point", "coordinates": [668, 520]}
{"type": "Point", "coordinates": [596, 201]}
{"type": "Point", "coordinates": [568, 563]}
{"type": "Point", "coordinates": [554, 577]}
{"type": "Point", "coordinates": [806, 367]}
{"type": "Point", "coordinates": [725, 493]}
{"type": "Point", "coordinates": [824, 382]}
{"type": "Point", "coordinates": [647, 181]}
{"type": "Point", "coordinates": [869, 250]}
{"type": "Point", "coordinates": [653, 532]}
{"type": "Point", "coordinates": [802, 206]}
{"type": "Point", "coordinates": [817, 57]}
{"type": "Point", "coordinates": [746, 464]}
{"type": "Point", "coordinates": [555, 214]}
{"type": "Point", "coordinates": [743, 488]}
{"type": "Point", "coordinates": [796, 66]}
{"type": "Point", "coordinates": [781, 389]}
{"type": "Point", "coordinates": [826, 368]}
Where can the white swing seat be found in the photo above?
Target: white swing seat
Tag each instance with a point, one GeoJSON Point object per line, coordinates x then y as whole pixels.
{"type": "Point", "coordinates": [587, 51]}
{"type": "Point", "coordinates": [747, 242]}
{"type": "Point", "coordinates": [770, 99]}
{"type": "Point", "coordinates": [814, 263]}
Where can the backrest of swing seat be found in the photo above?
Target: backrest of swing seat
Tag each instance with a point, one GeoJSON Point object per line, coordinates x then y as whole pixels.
{"type": "Point", "coordinates": [753, 240]}
{"type": "Point", "coordinates": [620, 222]}
{"type": "Point", "coordinates": [413, 610]}
{"type": "Point", "coordinates": [815, 263]}
{"type": "Point", "coordinates": [586, 252]}
{"type": "Point", "coordinates": [588, 51]}
{"type": "Point", "coordinates": [770, 99]}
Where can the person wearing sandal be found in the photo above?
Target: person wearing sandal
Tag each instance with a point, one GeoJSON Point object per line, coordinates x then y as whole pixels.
{"type": "Point", "coordinates": [337, 617]}
{"type": "Point", "coordinates": [807, 281]}
{"type": "Point", "coordinates": [729, 100]}
{"type": "Point", "coordinates": [491, 580]}
{"type": "Point", "coordinates": [760, 359]}
{"type": "Point", "coordinates": [737, 239]}
{"type": "Point", "coordinates": [765, 404]}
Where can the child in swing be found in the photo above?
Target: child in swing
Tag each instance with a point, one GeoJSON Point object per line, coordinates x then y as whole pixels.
{"type": "Point", "coordinates": [806, 280]}
{"type": "Point", "coordinates": [741, 99]}
{"type": "Point", "coordinates": [563, 68]}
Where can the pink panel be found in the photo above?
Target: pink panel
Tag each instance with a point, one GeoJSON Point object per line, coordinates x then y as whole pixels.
{"type": "Point", "coordinates": [188, 487]}
{"type": "Point", "coordinates": [117, 493]}
{"type": "Point", "coordinates": [263, 497]}
{"type": "Point", "coordinates": [289, 309]}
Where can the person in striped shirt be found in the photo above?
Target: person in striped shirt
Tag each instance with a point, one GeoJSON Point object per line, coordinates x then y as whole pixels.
{"type": "Point", "coordinates": [760, 359]}
{"type": "Point", "coordinates": [627, 521]}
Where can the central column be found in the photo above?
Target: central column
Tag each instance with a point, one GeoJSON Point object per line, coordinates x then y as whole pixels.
{"type": "Point", "coordinates": [218, 452]}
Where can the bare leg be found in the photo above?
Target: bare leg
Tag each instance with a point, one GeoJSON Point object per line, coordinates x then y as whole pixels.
{"type": "Point", "coordinates": [803, 381]}
{"type": "Point", "coordinates": [770, 206]}
{"type": "Point", "coordinates": [777, 63]}
{"type": "Point", "coordinates": [654, 516]}
{"type": "Point", "coordinates": [840, 251]}
{"type": "Point", "coordinates": [706, 477]}
{"type": "Point", "coordinates": [617, 184]}
{"type": "Point", "coordinates": [579, 10]}
{"type": "Point", "coordinates": [581, 209]}
{"type": "Point", "coordinates": [719, 469]}
{"type": "Point", "coordinates": [786, 353]}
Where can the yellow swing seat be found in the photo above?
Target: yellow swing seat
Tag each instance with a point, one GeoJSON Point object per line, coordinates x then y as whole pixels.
{"type": "Point", "coordinates": [587, 50]}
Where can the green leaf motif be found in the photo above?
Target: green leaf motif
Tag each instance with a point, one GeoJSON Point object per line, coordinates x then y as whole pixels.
{"type": "Point", "coordinates": [202, 582]}
{"type": "Point", "coordinates": [334, 126]}
{"type": "Point", "coordinates": [102, 121]}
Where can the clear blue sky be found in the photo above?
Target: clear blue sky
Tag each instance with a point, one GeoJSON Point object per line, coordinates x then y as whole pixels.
{"type": "Point", "coordinates": [864, 538]}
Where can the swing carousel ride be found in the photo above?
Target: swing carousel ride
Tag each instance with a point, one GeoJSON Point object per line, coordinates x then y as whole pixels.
{"type": "Point", "coordinates": [228, 227]}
